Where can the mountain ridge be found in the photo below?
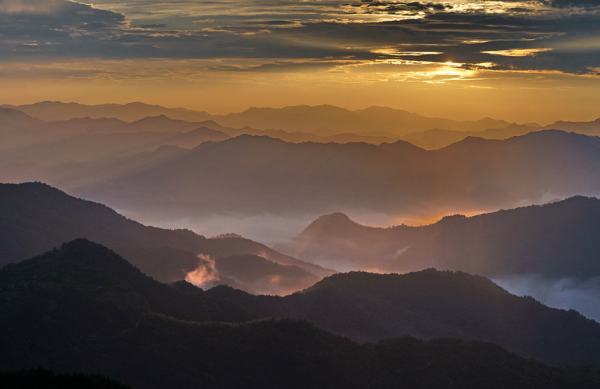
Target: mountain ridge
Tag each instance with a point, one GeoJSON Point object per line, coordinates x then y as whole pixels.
{"type": "Point", "coordinates": [506, 242]}
{"type": "Point", "coordinates": [392, 179]}
{"type": "Point", "coordinates": [112, 298]}
{"type": "Point", "coordinates": [36, 217]}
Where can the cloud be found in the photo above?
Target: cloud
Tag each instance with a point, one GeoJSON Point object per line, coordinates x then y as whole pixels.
{"type": "Point", "coordinates": [575, 3]}
{"type": "Point", "coordinates": [517, 52]}
{"type": "Point", "coordinates": [322, 36]}
{"type": "Point", "coordinates": [31, 7]}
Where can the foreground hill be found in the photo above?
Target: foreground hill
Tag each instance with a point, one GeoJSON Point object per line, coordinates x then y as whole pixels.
{"type": "Point", "coordinates": [35, 218]}
{"type": "Point", "coordinates": [560, 239]}
{"type": "Point", "coordinates": [433, 304]}
{"type": "Point", "coordinates": [46, 379]}
{"type": "Point", "coordinates": [256, 175]}
{"type": "Point", "coordinates": [83, 308]}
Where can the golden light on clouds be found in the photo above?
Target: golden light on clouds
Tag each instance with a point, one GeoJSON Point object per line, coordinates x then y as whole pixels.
{"type": "Point", "coordinates": [226, 56]}
{"type": "Point", "coordinates": [517, 52]}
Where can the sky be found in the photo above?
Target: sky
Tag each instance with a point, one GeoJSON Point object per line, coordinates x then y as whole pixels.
{"type": "Point", "coordinates": [524, 61]}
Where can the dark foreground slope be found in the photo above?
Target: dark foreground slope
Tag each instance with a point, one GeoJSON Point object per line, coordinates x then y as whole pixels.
{"type": "Point", "coordinates": [46, 379]}
{"type": "Point", "coordinates": [433, 304]}
{"type": "Point", "coordinates": [82, 308]}
{"type": "Point", "coordinates": [35, 218]}
{"type": "Point", "coordinates": [560, 239]}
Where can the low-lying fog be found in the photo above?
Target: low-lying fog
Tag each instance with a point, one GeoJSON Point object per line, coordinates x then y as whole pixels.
{"type": "Point", "coordinates": [271, 229]}
{"type": "Point", "coordinates": [564, 293]}
{"type": "Point", "coordinates": [267, 229]}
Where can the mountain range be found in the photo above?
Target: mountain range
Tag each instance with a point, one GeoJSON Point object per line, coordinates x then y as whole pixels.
{"type": "Point", "coordinates": [559, 239]}
{"type": "Point", "coordinates": [256, 175]}
{"type": "Point", "coordinates": [106, 146]}
{"type": "Point", "coordinates": [292, 124]}
{"type": "Point", "coordinates": [432, 304]}
{"type": "Point", "coordinates": [82, 307]}
{"type": "Point", "coordinates": [35, 218]}
{"type": "Point", "coordinates": [322, 119]}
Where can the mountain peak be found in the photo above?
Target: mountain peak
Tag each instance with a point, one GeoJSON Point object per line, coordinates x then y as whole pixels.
{"type": "Point", "coordinates": [338, 222]}
{"type": "Point", "coordinates": [79, 261]}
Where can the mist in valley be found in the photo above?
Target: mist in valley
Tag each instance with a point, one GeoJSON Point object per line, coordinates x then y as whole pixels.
{"type": "Point", "coordinates": [564, 293]}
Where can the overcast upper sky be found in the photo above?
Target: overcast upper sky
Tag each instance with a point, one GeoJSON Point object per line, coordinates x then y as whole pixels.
{"type": "Point", "coordinates": [461, 58]}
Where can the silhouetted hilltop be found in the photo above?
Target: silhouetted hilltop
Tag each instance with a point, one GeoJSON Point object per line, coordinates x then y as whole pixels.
{"type": "Point", "coordinates": [83, 308]}
{"type": "Point", "coordinates": [338, 222]}
{"type": "Point", "coordinates": [560, 239]}
{"type": "Point", "coordinates": [433, 304]}
{"type": "Point", "coordinates": [93, 272]}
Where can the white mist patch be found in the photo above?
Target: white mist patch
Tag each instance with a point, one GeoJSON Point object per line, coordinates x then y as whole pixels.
{"type": "Point", "coordinates": [396, 254]}
{"type": "Point", "coordinates": [204, 276]}
{"type": "Point", "coordinates": [564, 293]}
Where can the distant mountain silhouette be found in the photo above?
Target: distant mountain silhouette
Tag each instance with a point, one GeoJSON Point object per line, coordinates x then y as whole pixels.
{"type": "Point", "coordinates": [588, 128]}
{"type": "Point", "coordinates": [35, 218]}
{"type": "Point", "coordinates": [437, 138]}
{"type": "Point", "coordinates": [83, 308]}
{"type": "Point", "coordinates": [55, 110]}
{"type": "Point", "coordinates": [330, 120]}
{"type": "Point", "coordinates": [34, 132]}
{"type": "Point", "coordinates": [322, 119]}
{"type": "Point", "coordinates": [102, 146]}
{"type": "Point", "coordinates": [11, 119]}
{"type": "Point", "coordinates": [254, 175]}
{"type": "Point", "coordinates": [557, 240]}
{"type": "Point", "coordinates": [87, 173]}
{"type": "Point", "coordinates": [299, 137]}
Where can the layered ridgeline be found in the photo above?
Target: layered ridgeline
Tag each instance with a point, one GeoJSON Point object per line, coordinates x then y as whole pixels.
{"type": "Point", "coordinates": [35, 217]}
{"type": "Point", "coordinates": [436, 138]}
{"type": "Point", "coordinates": [20, 130]}
{"type": "Point", "coordinates": [83, 308]}
{"type": "Point", "coordinates": [257, 175]}
{"type": "Point", "coordinates": [324, 119]}
{"type": "Point", "coordinates": [93, 147]}
{"type": "Point", "coordinates": [559, 239]}
{"type": "Point", "coordinates": [549, 252]}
